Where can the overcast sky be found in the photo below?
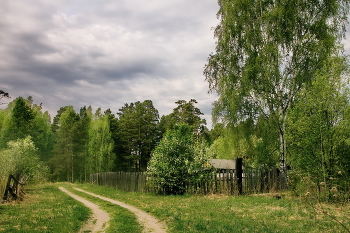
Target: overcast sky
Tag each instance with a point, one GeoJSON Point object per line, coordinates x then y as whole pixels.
{"type": "Point", "coordinates": [106, 53]}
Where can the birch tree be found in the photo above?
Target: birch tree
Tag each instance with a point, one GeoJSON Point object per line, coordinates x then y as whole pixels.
{"type": "Point", "coordinates": [100, 145]}
{"type": "Point", "coordinates": [266, 51]}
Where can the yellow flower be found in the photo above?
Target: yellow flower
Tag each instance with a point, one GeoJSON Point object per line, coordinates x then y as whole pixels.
{"type": "Point", "coordinates": [307, 194]}
{"type": "Point", "coordinates": [334, 190]}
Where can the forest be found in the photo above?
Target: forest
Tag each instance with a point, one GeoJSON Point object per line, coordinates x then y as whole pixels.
{"type": "Point", "coordinates": [75, 144]}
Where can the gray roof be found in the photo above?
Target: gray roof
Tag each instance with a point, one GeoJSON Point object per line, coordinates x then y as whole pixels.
{"type": "Point", "coordinates": [223, 163]}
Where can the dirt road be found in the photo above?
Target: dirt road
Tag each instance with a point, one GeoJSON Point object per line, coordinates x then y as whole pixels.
{"type": "Point", "coordinates": [150, 223]}
{"type": "Point", "coordinates": [100, 218]}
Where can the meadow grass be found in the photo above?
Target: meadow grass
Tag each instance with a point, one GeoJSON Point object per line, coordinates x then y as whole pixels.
{"type": "Point", "coordinates": [219, 213]}
{"type": "Point", "coordinates": [44, 209]}
{"type": "Point", "coordinates": [47, 209]}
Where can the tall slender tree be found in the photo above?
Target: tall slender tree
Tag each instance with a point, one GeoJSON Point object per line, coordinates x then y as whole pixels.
{"type": "Point", "coordinates": [82, 140]}
{"type": "Point", "coordinates": [65, 158]}
{"type": "Point", "coordinates": [267, 50]}
{"type": "Point", "coordinates": [139, 132]}
{"type": "Point", "coordinates": [100, 145]}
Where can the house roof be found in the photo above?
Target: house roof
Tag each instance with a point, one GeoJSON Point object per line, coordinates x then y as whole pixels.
{"type": "Point", "coordinates": [223, 163]}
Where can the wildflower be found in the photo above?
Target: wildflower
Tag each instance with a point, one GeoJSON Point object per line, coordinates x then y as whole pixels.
{"type": "Point", "coordinates": [335, 195]}
{"type": "Point", "coordinates": [331, 178]}
{"type": "Point", "coordinates": [322, 183]}
{"type": "Point", "coordinates": [334, 190]}
{"type": "Point", "coordinates": [339, 172]}
{"type": "Point", "coordinates": [307, 194]}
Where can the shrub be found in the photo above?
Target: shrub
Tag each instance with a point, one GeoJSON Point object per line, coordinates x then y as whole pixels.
{"type": "Point", "coordinates": [177, 160]}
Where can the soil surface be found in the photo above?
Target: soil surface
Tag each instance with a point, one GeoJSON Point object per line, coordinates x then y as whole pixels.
{"type": "Point", "coordinates": [150, 223]}
{"type": "Point", "coordinates": [99, 219]}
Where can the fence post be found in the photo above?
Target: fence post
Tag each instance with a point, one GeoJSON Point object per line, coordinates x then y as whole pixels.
{"type": "Point", "coordinates": [239, 171]}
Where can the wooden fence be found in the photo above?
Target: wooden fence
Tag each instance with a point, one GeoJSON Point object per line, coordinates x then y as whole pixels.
{"type": "Point", "coordinates": [252, 180]}
{"type": "Point", "coordinates": [126, 181]}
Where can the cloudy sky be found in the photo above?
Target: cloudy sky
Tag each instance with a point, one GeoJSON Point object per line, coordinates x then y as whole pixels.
{"type": "Point", "coordinates": [105, 53]}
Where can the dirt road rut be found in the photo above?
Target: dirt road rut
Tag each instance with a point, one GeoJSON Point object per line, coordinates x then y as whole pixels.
{"type": "Point", "coordinates": [100, 218]}
{"type": "Point", "coordinates": [150, 223]}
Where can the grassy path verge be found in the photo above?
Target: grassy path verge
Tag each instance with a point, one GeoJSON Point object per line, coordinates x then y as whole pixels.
{"type": "Point", "coordinates": [218, 213]}
{"type": "Point", "coordinates": [44, 209]}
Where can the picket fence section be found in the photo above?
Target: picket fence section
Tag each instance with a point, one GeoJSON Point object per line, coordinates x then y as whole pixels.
{"type": "Point", "coordinates": [254, 180]}
{"type": "Point", "coordinates": [126, 181]}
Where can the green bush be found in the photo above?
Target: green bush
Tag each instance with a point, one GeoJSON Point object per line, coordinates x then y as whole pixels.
{"type": "Point", "coordinates": [177, 160]}
{"type": "Point", "coordinates": [21, 158]}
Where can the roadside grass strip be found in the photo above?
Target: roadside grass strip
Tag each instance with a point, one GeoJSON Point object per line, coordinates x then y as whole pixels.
{"type": "Point", "coordinates": [99, 219]}
{"type": "Point", "coordinates": [222, 213]}
{"type": "Point", "coordinates": [150, 223]}
{"type": "Point", "coordinates": [44, 209]}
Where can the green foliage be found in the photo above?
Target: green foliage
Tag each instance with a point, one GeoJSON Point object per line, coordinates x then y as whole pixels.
{"type": "Point", "coordinates": [100, 146]}
{"type": "Point", "coordinates": [22, 118]}
{"type": "Point", "coordinates": [266, 52]}
{"type": "Point", "coordinates": [245, 140]}
{"type": "Point", "coordinates": [18, 122]}
{"type": "Point", "coordinates": [176, 160]}
{"type": "Point", "coordinates": [65, 158]}
{"type": "Point", "coordinates": [25, 141]}
{"type": "Point", "coordinates": [319, 130]}
{"type": "Point", "coordinates": [139, 133]}
{"type": "Point", "coordinates": [184, 113]}
{"type": "Point", "coordinates": [42, 135]}
{"type": "Point", "coordinates": [20, 159]}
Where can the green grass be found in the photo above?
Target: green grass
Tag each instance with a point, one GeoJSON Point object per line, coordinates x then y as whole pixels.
{"type": "Point", "coordinates": [218, 213]}
{"type": "Point", "coordinates": [44, 209]}
{"type": "Point", "coordinates": [47, 209]}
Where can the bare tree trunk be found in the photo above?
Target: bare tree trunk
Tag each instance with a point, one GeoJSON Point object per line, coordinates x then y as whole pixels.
{"type": "Point", "coordinates": [283, 146]}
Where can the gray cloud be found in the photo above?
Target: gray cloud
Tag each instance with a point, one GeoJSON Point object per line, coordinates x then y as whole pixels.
{"type": "Point", "coordinates": [106, 53]}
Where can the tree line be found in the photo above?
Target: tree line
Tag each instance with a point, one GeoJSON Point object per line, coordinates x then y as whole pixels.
{"type": "Point", "coordinates": [76, 144]}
